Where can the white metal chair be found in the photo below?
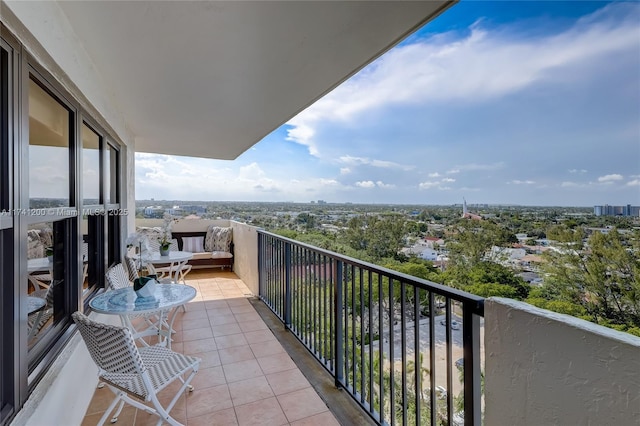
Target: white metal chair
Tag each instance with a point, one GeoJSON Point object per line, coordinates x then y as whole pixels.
{"type": "Point", "coordinates": [135, 374]}
{"type": "Point", "coordinates": [154, 244]}
{"type": "Point", "coordinates": [85, 261]}
{"type": "Point", "coordinates": [40, 279]}
{"type": "Point", "coordinates": [117, 277]}
{"type": "Point", "coordinates": [177, 271]}
{"type": "Point", "coordinates": [162, 276]}
{"type": "Point", "coordinates": [37, 320]}
{"type": "Point", "coordinates": [131, 268]}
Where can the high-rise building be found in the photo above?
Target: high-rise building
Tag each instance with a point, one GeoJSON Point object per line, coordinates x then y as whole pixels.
{"type": "Point", "coordinates": [607, 210]}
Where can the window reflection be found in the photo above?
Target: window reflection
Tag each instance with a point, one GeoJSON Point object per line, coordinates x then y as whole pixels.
{"type": "Point", "coordinates": [49, 123]}
{"type": "Point", "coordinates": [40, 267]}
{"type": "Point", "coordinates": [90, 166]}
{"type": "Point", "coordinates": [47, 275]}
{"type": "Point", "coordinates": [92, 227]}
{"type": "Point", "coordinates": [84, 253]}
{"type": "Point", "coordinates": [112, 175]}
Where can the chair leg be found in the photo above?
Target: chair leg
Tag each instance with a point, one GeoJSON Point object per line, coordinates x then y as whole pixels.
{"type": "Point", "coordinates": [163, 414]}
{"type": "Point", "coordinates": [111, 407]}
{"type": "Point", "coordinates": [115, 416]}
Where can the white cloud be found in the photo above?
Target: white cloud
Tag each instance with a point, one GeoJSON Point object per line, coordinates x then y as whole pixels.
{"type": "Point", "coordinates": [610, 178]}
{"type": "Point", "coordinates": [251, 171]}
{"type": "Point", "coordinates": [428, 185]}
{"type": "Point", "coordinates": [385, 185]}
{"type": "Point", "coordinates": [522, 182]}
{"type": "Point", "coordinates": [481, 167]}
{"type": "Point", "coordinates": [366, 184]}
{"type": "Point", "coordinates": [437, 69]}
{"type": "Point", "coordinates": [359, 161]}
{"type": "Point", "coordinates": [162, 177]}
{"type": "Point", "coordinates": [371, 131]}
{"type": "Point", "coordinates": [303, 134]}
{"type": "Point", "coordinates": [329, 182]}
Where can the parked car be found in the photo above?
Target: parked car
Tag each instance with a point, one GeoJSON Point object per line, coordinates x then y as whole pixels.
{"type": "Point", "coordinates": [455, 325]}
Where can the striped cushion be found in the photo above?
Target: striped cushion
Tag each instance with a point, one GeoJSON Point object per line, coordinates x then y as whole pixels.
{"type": "Point", "coordinates": [193, 244]}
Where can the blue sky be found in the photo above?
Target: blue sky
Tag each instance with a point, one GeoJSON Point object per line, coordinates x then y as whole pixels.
{"type": "Point", "coordinates": [533, 103]}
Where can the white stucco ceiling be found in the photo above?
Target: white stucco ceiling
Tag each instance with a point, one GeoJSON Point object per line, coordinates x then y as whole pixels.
{"type": "Point", "coordinates": [212, 78]}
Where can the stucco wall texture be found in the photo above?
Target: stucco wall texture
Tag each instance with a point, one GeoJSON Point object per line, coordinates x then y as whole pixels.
{"type": "Point", "coordinates": [544, 368]}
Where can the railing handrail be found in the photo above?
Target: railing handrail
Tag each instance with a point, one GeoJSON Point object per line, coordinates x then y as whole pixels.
{"type": "Point", "coordinates": [337, 289]}
{"type": "Point", "coordinates": [476, 303]}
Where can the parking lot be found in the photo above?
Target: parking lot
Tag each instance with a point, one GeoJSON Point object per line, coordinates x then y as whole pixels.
{"type": "Point", "coordinates": [424, 345]}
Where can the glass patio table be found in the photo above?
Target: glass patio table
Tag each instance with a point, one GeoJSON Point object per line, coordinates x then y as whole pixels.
{"type": "Point", "coordinates": [155, 309]}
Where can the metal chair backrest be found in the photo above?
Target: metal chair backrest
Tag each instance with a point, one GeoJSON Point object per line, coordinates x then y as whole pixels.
{"type": "Point", "coordinates": [131, 268]}
{"type": "Point", "coordinates": [111, 347]}
{"type": "Point", "coordinates": [117, 277]}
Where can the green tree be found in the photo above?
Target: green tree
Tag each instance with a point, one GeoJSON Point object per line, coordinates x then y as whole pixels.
{"type": "Point", "coordinates": [471, 241]}
{"type": "Point", "coordinates": [308, 221]}
{"type": "Point", "coordinates": [604, 279]}
{"type": "Point", "coordinates": [377, 236]}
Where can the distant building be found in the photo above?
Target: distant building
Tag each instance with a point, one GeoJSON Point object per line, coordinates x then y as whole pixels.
{"type": "Point", "coordinates": [433, 242]}
{"type": "Point", "coordinates": [154, 212]}
{"type": "Point", "coordinates": [193, 209]}
{"type": "Point", "coordinates": [466, 214]}
{"type": "Point", "coordinates": [429, 254]}
{"type": "Point", "coordinates": [608, 210]}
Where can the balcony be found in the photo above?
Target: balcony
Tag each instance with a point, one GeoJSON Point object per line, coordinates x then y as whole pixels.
{"type": "Point", "coordinates": [245, 377]}
{"type": "Point", "coordinates": [540, 367]}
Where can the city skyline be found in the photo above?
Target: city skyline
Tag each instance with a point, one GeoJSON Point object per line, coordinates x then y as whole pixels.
{"type": "Point", "coordinates": [499, 103]}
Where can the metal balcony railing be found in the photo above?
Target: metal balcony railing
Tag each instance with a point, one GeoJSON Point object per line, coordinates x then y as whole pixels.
{"type": "Point", "coordinates": [387, 338]}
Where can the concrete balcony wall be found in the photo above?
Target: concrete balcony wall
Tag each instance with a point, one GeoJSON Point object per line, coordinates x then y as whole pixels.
{"type": "Point", "coordinates": [245, 244]}
{"type": "Point", "coordinates": [548, 368]}
{"type": "Point", "coordinates": [245, 263]}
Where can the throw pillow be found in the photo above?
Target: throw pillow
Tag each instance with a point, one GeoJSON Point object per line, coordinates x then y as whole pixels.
{"type": "Point", "coordinates": [218, 238]}
{"type": "Point", "coordinates": [193, 244]}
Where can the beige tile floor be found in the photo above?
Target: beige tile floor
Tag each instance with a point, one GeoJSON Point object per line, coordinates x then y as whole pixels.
{"type": "Point", "coordinates": [245, 377]}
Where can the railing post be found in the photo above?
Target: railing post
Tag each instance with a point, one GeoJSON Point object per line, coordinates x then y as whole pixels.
{"type": "Point", "coordinates": [472, 379]}
{"type": "Point", "coordinates": [261, 273]}
{"type": "Point", "coordinates": [338, 310]}
{"type": "Point", "coordinates": [287, 285]}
